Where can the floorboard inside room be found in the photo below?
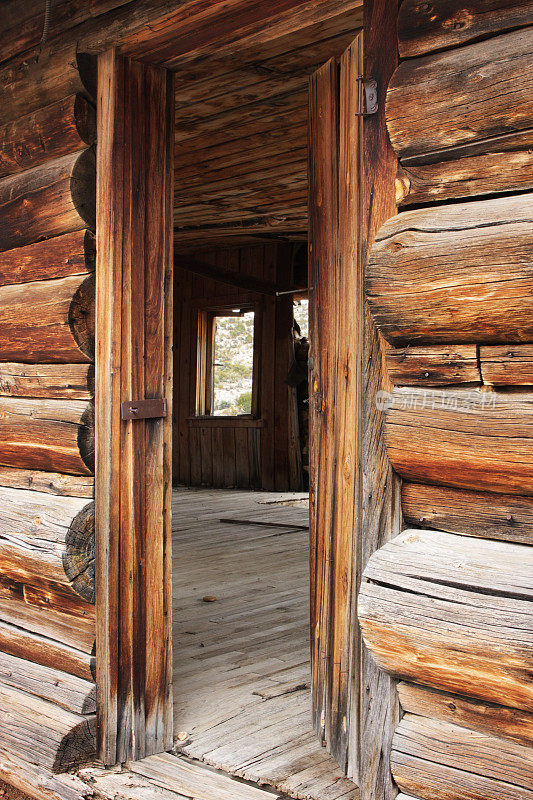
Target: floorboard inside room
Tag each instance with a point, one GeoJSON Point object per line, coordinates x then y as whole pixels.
{"type": "Point", "coordinates": [241, 648]}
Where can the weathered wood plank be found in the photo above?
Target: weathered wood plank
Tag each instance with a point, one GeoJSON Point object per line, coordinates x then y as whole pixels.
{"type": "Point", "coordinates": [59, 257]}
{"type": "Point", "coordinates": [427, 283]}
{"type": "Point", "coordinates": [487, 84]}
{"type": "Point", "coordinates": [507, 365]}
{"type": "Point", "coordinates": [39, 79]}
{"type": "Point", "coordinates": [48, 133]}
{"type": "Point", "coordinates": [442, 365]}
{"type": "Point", "coordinates": [53, 381]}
{"type": "Point", "coordinates": [470, 176]}
{"type": "Point", "coordinates": [48, 321]}
{"type": "Point", "coordinates": [54, 198]}
{"type": "Point", "coordinates": [432, 759]}
{"type": "Point", "coordinates": [423, 27]}
{"type": "Point", "coordinates": [495, 720]}
{"type": "Point", "coordinates": [68, 691]}
{"type": "Point", "coordinates": [46, 538]}
{"type": "Point", "coordinates": [43, 733]}
{"type": "Point", "coordinates": [379, 707]}
{"type": "Point", "coordinates": [488, 515]}
{"type": "Point", "coordinates": [468, 439]}
{"type": "Point", "coordinates": [452, 612]}
{"type": "Point", "coordinates": [21, 643]}
{"type": "Point", "coordinates": [49, 482]}
{"type": "Point", "coordinates": [37, 782]}
{"type": "Point", "coordinates": [47, 434]}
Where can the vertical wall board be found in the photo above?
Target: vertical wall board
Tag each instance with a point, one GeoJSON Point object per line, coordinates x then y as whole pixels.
{"type": "Point", "coordinates": [381, 495]}
{"type": "Point", "coordinates": [133, 466]}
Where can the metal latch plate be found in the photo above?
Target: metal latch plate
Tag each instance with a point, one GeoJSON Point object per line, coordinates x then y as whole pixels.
{"type": "Point", "coordinates": [144, 409]}
{"type": "Point", "coordinates": [368, 96]}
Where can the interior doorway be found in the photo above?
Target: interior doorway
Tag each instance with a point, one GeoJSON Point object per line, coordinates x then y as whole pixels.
{"type": "Point", "coordinates": [261, 591]}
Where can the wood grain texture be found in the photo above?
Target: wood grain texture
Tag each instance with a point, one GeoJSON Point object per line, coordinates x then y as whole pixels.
{"type": "Point", "coordinates": [46, 134]}
{"type": "Point", "coordinates": [40, 649]}
{"type": "Point", "coordinates": [469, 80]}
{"type": "Point", "coordinates": [462, 438]}
{"type": "Point", "coordinates": [485, 514]}
{"type": "Point", "coordinates": [442, 365]}
{"type": "Point", "coordinates": [53, 381]}
{"type": "Point", "coordinates": [47, 539]}
{"type": "Point", "coordinates": [336, 404]}
{"type": "Point", "coordinates": [59, 71]}
{"type": "Point", "coordinates": [133, 460]}
{"type": "Point", "coordinates": [37, 782]}
{"type": "Point", "coordinates": [489, 718]}
{"type": "Point", "coordinates": [471, 176]}
{"type": "Point", "coordinates": [423, 28]}
{"type": "Point", "coordinates": [49, 482]}
{"type": "Point", "coordinates": [47, 434]}
{"type": "Point", "coordinates": [507, 365]}
{"type": "Point", "coordinates": [43, 733]}
{"type": "Point", "coordinates": [431, 758]}
{"type": "Point", "coordinates": [49, 200]}
{"type": "Point", "coordinates": [67, 691]}
{"type": "Point", "coordinates": [48, 321]}
{"type": "Point", "coordinates": [380, 492]}
{"type": "Point", "coordinates": [59, 257]}
{"type": "Point", "coordinates": [452, 612]}
{"type": "Point", "coordinates": [427, 283]}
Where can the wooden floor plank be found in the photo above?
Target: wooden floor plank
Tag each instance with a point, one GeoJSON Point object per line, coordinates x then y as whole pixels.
{"type": "Point", "coordinates": [242, 700]}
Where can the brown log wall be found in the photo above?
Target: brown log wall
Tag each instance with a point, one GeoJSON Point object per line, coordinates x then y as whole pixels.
{"type": "Point", "coordinates": [47, 260]}
{"type": "Point", "coordinates": [447, 605]}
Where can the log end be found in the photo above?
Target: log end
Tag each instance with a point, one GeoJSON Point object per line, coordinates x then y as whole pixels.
{"type": "Point", "coordinates": [77, 747]}
{"type": "Point", "coordinates": [81, 316]}
{"type": "Point", "coordinates": [79, 554]}
{"type": "Point", "coordinates": [86, 437]}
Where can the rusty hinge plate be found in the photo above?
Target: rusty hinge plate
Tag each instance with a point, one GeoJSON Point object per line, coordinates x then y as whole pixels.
{"type": "Point", "coordinates": [367, 96]}
{"type": "Point", "coordinates": [144, 409]}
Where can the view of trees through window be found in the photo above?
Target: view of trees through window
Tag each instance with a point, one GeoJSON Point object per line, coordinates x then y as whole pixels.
{"type": "Point", "coordinates": [301, 315]}
{"type": "Point", "coordinates": [233, 364]}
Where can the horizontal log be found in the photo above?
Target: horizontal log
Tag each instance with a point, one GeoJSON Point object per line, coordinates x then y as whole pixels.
{"type": "Point", "coordinates": [54, 198]}
{"type": "Point", "coordinates": [68, 381]}
{"type": "Point", "coordinates": [46, 538]}
{"type": "Point", "coordinates": [39, 783]}
{"type": "Point", "coordinates": [467, 439]}
{"type": "Point", "coordinates": [43, 733]}
{"type": "Point", "coordinates": [452, 612]}
{"type": "Point", "coordinates": [49, 482]}
{"type": "Point", "coordinates": [47, 434]}
{"type": "Point", "coordinates": [507, 365]}
{"type": "Point", "coordinates": [48, 133]}
{"type": "Point", "coordinates": [440, 365]}
{"type": "Point", "coordinates": [71, 693]}
{"type": "Point", "coordinates": [488, 515]}
{"type": "Point", "coordinates": [61, 617]}
{"type": "Point", "coordinates": [459, 273]}
{"type": "Point", "coordinates": [486, 84]}
{"type": "Point", "coordinates": [59, 257]}
{"type": "Point", "coordinates": [424, 27]}
{"type": "Point", "coordinates": [431, 758]}
{"type": "Point", "coordinates": [490, 173]}
{"type": "Point", "coordinates": [21, 643]}
{"type": "Point", "coordinates": [42, 78]}
{"type": "Point", "coordinates": [495, 720]}
{"type": "Point", "coordinates": [48, 321]}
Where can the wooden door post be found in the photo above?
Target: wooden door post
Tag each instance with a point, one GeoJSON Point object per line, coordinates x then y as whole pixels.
{"type": "Point", "coordinates": [133, 362]}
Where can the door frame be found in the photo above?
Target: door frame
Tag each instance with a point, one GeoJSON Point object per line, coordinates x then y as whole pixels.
{"type": "Point", "coordinates": [142, 713]}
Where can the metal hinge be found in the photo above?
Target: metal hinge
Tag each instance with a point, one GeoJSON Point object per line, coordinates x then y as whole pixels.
{"type": "Point", "coordinates": [144, 409]}
{"type": "Point", "coordinates": [367, 96]}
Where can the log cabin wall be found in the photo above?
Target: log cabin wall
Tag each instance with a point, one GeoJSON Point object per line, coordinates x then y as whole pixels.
{"type": "Point", "coordinates": [47, 259]}
{"type": "Point", "coordinates": [446, 606]}
{"type": "Point", "coordinates": [258, 453]}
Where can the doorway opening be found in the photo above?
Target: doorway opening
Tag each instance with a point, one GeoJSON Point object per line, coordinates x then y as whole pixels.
{"type": "Point", "coordinates": [243, 295]}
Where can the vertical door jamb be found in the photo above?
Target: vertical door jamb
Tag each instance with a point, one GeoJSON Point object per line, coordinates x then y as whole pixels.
{"type": "Point", "coordinates": [133, 483]}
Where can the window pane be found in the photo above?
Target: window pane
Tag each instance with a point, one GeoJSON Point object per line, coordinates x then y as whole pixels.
{"type": "Point", "coordinates": [233, 365]}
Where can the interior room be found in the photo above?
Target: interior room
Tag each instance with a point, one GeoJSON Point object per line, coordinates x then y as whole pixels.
{"type": "Point", "coordinates": [242, 303]}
